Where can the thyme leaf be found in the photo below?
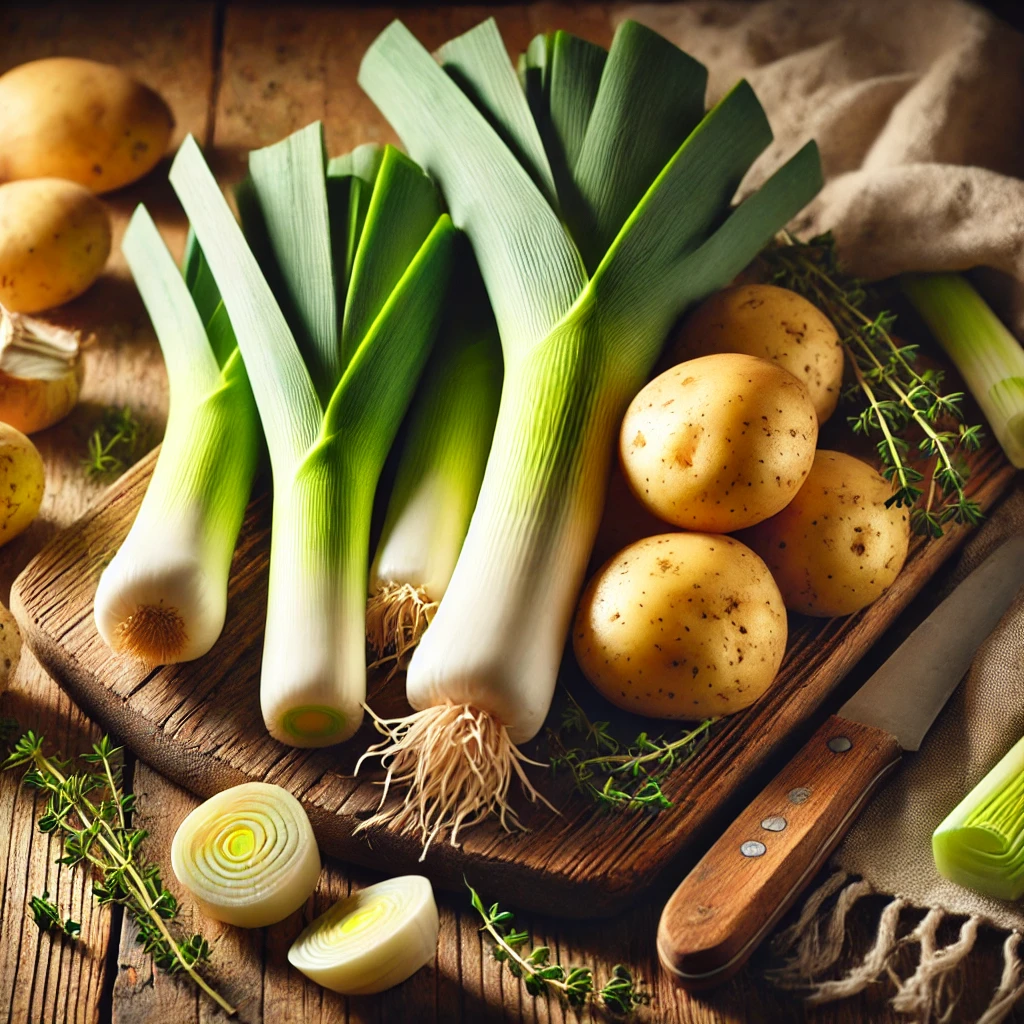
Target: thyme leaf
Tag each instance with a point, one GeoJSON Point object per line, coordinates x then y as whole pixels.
{"type": "Point", "coordinates": [114, 445]}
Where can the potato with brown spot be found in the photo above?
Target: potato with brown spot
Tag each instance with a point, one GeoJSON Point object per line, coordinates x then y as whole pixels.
{"type": "Point", "coordinates": [836, 547]}
{"type": "Point", "coordinates": [54, 242]}
{"type": "Point", "coordinates": [65, 117]}
{"type": "Point", "coordinates": [776, 324]}
{"type": "Point", "coordinates": [727, 440]}
{"type": "Point", "coordinates": [22, 480]}
{"type": "Point", "coordinates": [10, 647]}
{"type": "Point", "coordinates": [681, 625]}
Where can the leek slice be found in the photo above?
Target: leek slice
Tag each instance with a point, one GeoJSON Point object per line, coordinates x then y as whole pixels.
{"type": "Point", "coordinates": [248, 855]}
{"type": "Point", "coordinates": [331, 388]}
{"type": "Point", "coordinates": [988, 356]}
{"type": "Point", "coordinates": [582, 309]}
{"type": "Point", "coordinates": [371, 940]}
{"type": "Point", "coordinates": [163, 597]}
{"type": "Point", "coordinates": [980, 845]}
{"type": "Point", "coordinates": [442, 464]}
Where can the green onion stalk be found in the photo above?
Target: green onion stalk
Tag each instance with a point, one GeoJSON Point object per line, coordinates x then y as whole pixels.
{"type": "Point", "coordinates": [596, 193]}
{"type": "Point", "coordinates": [335, 291]}
{"type": "Point", "coordinates": [163, 597]}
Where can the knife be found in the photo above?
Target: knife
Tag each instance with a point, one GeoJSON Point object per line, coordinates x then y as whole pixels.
{"type": "Point", "coordinates": [751, 876]}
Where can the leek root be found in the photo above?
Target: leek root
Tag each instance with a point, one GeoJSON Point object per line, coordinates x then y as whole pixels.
{"type": "Point", "coordinates": [598, 206]}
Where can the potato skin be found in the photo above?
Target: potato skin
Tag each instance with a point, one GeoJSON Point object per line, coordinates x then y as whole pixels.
{"type": "Point", "coordinates": [22, 480]}
{"type": "Point", "coordinates": [681, 625]}
{"type": "Point", "coordinates": [65, 117]}
{"type": "Point", "coordinates": [54, 242]}
{"type": "Point", "coordinates": [719, 443]}
{"type": "Point", "coordinates": [836, 547]}
{"type": "Point", "coordinates": [776, 324]}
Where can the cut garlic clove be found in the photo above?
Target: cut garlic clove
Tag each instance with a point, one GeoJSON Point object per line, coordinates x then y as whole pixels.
{"type": "Point", "coordinates": [248, 855]}
{"type": "Point", "coordinates": [369, 941]}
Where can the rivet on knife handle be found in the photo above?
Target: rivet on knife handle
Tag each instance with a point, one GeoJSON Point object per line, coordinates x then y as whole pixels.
{"type": "Point", "coordinates": [751, 876]}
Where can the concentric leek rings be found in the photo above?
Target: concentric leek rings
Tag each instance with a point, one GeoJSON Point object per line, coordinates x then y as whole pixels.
{"type": "Point", "coordinates": [247, 855]}
{"type": "Point", "coordinates": [371, 940]}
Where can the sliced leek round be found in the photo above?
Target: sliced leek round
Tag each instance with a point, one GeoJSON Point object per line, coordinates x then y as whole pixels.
{"type": "Point", "coordinates": [248, 855]}
{"type": "Point", "coordinates": [371, 940]}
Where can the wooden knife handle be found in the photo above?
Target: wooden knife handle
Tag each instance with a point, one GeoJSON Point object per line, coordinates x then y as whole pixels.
{"type": "Point", "coordinates": [742, 886]}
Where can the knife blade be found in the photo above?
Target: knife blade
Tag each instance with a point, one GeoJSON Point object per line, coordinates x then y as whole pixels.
{"type": "Point", "coordinates": [751, 876]}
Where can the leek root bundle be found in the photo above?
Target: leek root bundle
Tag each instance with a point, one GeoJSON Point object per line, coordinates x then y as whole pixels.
{"type": "Point", "coordinates": [442, 463]}
{"type": "Point", "coordinates": [596, 194]}
{"type": "Point", "coordinates": [164, 595]}
{"type": "Point", "coordinates": [335, 293]}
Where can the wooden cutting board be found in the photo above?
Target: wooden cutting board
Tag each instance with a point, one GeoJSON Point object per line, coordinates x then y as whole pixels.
{"type": "Point", "coordinates": [200, 723]}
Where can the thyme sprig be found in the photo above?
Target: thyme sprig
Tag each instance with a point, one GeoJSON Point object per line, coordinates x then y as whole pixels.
{"type": "Point", "coordinates": [615, 776]}
{"type": "Point", "coordinates": [114, 445]}
{"type": "Point", "coordinates": [47, 917]}
{"type": "Point", "coordinates": [621, 993]}
{"type": "Point", "coordinates": [91, 813]}
{"type": "Point", "coordinates": [897, 395]}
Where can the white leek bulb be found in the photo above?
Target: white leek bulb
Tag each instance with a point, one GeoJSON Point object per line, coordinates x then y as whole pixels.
{"type": "Point", "coordinates": [371, 940]}
{"type": "Point", "coordinates": [248, 855]}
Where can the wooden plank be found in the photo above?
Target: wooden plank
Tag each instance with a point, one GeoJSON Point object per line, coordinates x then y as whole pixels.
{"type": "Point", "coordinates": [169, 47]}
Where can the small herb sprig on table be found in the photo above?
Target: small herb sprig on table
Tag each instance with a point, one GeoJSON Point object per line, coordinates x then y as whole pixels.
{"type": "Point", "coordinates": [614, 776]}
{"type": "Point", "coordinates": [114, 445]}
{"type": "Point", "coordinates": [91, 813]}
{"type": "Point", "coordinates": [896, 395]}
{"type": "Point", "coordinates": [46, 915]}
{"type": "Point", "coordinates": [621, 993]}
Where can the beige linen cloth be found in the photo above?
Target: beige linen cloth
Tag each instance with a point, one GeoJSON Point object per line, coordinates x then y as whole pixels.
{"type": "Point", "coordinates": [918, 108]}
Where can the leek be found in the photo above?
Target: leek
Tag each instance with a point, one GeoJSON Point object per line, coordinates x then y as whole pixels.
{"type": "Point", "coordinates": [587, 259]}
{"type": "Point", "coordinates": [163, 597]}
{"type": "Point", "coordinates": [335, 307]}
{"type": "Point", "coordinates": [987, 355]}
{"type": "Point", "coordinates": [980, 845]}
{"type": "Point", "coordinates": [248, 855]}
{"type": "Point", "coordinates": [438, 478]}
{"type": "Point", "coordinates": [371, 940]}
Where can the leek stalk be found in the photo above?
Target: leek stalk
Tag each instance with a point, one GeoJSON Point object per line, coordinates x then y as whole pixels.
{"type": "Point", "coordinates": [980, 845]}
{"type": "Point", "coordinates": [163, 598]}
{"type": "Point", "coordinates": [589, 249]}
{"type": "Point", "coordinates": [335, 291]}
{"type": "Point", "coordinates": [987, 355]}
{"type": "Point", "coordinates": [439, 473]}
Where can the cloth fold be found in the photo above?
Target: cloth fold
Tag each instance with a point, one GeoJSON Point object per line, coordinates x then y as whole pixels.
{"type": "Point", "coordinates": [918, 108]}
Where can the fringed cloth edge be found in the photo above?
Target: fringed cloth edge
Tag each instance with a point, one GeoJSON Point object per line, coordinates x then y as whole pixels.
{"type": "Point", "coordinates": [813, 944]}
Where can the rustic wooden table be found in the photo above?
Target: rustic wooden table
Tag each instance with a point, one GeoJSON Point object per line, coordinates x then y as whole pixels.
{"type": "Point", "coordinates": [237, 78]}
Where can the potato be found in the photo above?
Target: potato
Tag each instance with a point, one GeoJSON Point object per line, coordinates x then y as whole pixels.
{"type": "Point", "coordinates": [10, 647]}
{"type": "Point", "coordinates": [623, 519]}
{"type": "Point", "coordinates": [773, 323]}
{"type": "Point", "coordinates": [54, 242]}
{"type": "Point", "coordinates": [719, 443]}
{"type": "Point", "coordinates": [63, 117]}
{"type": "Point", "coordinates": [836, 547]}
{"type": "Point", "coordinates": [682, 625]}
{"type": "Point", "coordinates": [22, 480]}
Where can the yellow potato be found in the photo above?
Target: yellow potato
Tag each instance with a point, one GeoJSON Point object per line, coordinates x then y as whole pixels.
{"type": "Point", "coordinates": [54, 242]}
{"type": "Point", "coordinates": [719, 443]}
{"type": "Point", "coordinates": [64, 117]}
{"type": "Point", "coordinates": [22, 480]}
{"type": "Point", "coordinates": [682, 625]}
{"type": "Point", "coordinates": [836, 547]}
{"type": "Point", "coordinates": [10, 647]}
{"type": "Point", "coordinates": [773, 323]}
